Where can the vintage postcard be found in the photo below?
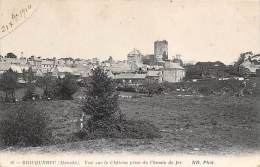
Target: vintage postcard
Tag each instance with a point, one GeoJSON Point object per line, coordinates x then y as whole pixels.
{"type": "Point", "coordinates": [137, 83]}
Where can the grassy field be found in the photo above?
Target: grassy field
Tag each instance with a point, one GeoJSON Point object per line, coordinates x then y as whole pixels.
{"type": "Point", "coordinates": [204, 124]}
{"type": "Point", "coordinates": [188, 124]}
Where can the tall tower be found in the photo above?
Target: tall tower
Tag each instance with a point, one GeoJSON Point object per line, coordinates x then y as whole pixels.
{"type": "Point", "coordinates": [161, 50]}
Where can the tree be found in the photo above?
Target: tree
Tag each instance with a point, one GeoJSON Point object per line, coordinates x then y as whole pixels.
{"type": "Point", "coordinates": [205, 70]}
{"type": "Point", "coordinates": [102, 99]}
{"type": "Point", "coordinates": [237, 70]}
{"type": "Point", "coordinates": [106, 119]}
{"type": "Point", "coordinates": [47, 83]}
{"type": "Point", "coordinates": [243, 57]}
{"type": "Point", "coordinates": [29, 77]}
{"type": "Point", "coordinates": [193, 72]}
{"type": "Point", "coordinates": [11, 55]}
{"type": "Point", "coordinates": [65, 88]}
{"type": "Point", "coordinates": [9, 84]}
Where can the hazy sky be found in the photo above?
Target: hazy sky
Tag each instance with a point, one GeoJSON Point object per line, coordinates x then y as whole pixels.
{"type": "Point", "coordinates": [205, 30]}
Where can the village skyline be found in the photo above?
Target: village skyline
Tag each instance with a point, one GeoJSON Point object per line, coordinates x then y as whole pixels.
{"type": "Point", "coordinates": [195, 30]}
{"type": "Point", "coordinates": [123, 58]}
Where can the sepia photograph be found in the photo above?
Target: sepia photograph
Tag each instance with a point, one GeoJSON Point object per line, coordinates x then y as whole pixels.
{"type": "Point", "coordinates": [161, 82]}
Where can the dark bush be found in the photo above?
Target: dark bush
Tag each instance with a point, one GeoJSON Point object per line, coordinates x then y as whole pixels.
{"type": "Point", "coordinates": [65, 88]}
{"type": "Point", "coordinates": [25, 126]}
{"type": "Point", "coordinates": [151, 88]}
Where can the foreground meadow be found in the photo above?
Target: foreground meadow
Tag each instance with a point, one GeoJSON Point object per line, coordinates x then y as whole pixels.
{"type": "Point", "coordinates": [188, 124]}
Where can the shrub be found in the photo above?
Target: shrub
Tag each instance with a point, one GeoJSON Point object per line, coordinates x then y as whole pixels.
{"type": "Point", "coordinates": [25, 126]}
{"type": "Point", "coordinates": [152, 88]}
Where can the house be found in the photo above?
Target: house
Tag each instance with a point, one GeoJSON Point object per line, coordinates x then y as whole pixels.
{"type": "Point", "coordinates": [130, 79]}
{"type": "Point", "coordinates": [154, 76]}
{"type": "Point", "coordinates": [83, 70]}
{"type": "Point", "coordinates": [17, 68]}
{"type": "Point", "coordinates": [13, 61]}
{"type": "Point", "coordinates": [34, 62]}
{"type": "Point", "coordinates": [4, 67]}
{"type": "Point", "coordinates": [65, 61]}
{"type": "Point", "coordinates": [47, 65]}
{"type": "Point", "coordinates": [135, 56]}
{"type": "Point", "coordinates": [120, 67]}
{"type": "Point", "coordinates": [173, 72]}
{"type": "Point", "coordinates": [60, 71]}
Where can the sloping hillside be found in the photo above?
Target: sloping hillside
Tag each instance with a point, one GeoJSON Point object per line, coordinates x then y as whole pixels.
{"type": "Point", "coordinates": [188, 124]}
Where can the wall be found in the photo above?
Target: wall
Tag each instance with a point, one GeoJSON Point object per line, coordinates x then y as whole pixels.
{"type": "Point", "coordinates": [173, 75]}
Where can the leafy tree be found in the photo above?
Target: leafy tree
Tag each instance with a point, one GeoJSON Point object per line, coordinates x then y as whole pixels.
{"type": "Point", "coordinates": [11, 55]}
{"type": "Point", "coordinates": [237, 70]}
{"type": "Point", "coordinates": [242, 57]}
{"type": "Point", "coordinates": [65, 88]}
{"type": "Point", "coordinates": [29, 77]}
{"type": "Point", "coordinates": [205, 70]}
{"type": "Point", "coordinates": [9, 84]}
{"type": "Point", "coordinates": [47, 83]}
{"type": "Point", "coordinates": [102, 99]}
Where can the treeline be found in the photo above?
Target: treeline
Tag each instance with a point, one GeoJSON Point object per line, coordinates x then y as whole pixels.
{"type": "Point", "coordinates": [53, 88]}
{"type": "Point", "coordinates": [203, 70]}
{"type": "Point", "coordinates": [218, 69]}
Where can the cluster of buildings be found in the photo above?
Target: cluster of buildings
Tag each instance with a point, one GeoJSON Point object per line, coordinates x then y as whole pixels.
{"type": "Point", "coordinates": [156, 67]}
